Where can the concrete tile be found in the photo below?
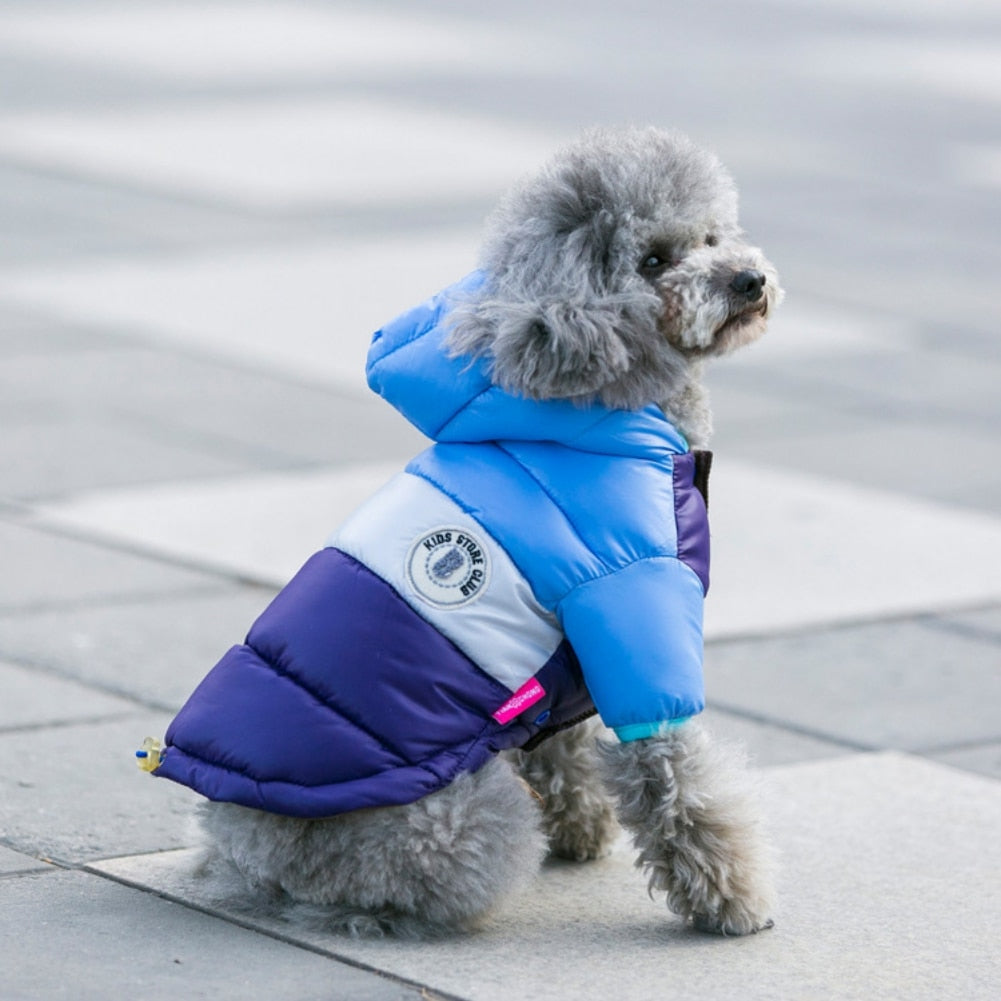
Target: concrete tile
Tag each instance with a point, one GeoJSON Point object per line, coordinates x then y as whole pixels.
{"type": "Point", "coordinates": [28, 334]}
{"type": "Point", "coordinates": [896, 684]}
{"type": "Point", "coordinates": [768, 744]}
{"type": "Point", "coordinates": [984, 759]}
{"type": "Point", "coordinates": [308, 310]}
{"type": "Point", "coordinates": [859, 836]}
{"type": "Point", "coordinates": [223, 411]}
{"type": "Point", "coordinates": [74, 793]}
{"type": "Point", "coordinates": [930, 381]}
{"type": "Point", "coordinates": [262, 527]}
{"type": "Point", "coordinates": [273, 42]}
{"type": "Point", "coordinates": [61, 453]}
{"type": "Point", "coordinates": [286, 152]}
{"type": "Point", "coordinates": [986, 622]}
{"type": "Point", "coordinates": [792, 550]}
{"type": "Point", "coordinates": [153, 651]}
{"type": "Point", "coordinates": [12, 863]}
{"type": "Point", "coordinates": [960, 464]}
{"type": "Point", "coordinates": [54, 218]}
{"type": "Point", "coordinates": [82, 936]}
{"type": "Point", "coordinates": [42, 568]}
{"type": "Point", "coordinates": [32, 699]}
{"type": "Point", "coordinates": [964, 68]}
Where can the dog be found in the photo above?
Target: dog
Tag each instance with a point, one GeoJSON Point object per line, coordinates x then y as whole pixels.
{"type": "Point", "coordinates": [409, 729]}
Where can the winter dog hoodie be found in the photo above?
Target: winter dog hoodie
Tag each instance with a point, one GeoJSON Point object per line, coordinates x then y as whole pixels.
{"type": "Point", "coordinates": [542, 559]}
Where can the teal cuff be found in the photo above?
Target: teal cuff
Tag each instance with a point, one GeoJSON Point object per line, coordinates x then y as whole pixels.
{"type": "Point", "coordinates": [641, 731]}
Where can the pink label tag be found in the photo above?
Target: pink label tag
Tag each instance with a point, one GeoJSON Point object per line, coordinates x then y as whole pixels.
{"type": "Point", "coordinates": [526, 696]}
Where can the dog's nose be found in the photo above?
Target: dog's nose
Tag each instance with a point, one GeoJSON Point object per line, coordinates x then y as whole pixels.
{"type": "Point", "coordinates": [748, 284]}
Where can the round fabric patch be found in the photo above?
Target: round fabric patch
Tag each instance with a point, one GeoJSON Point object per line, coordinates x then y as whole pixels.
{"type": "Point", "coordinates": [448, 567]}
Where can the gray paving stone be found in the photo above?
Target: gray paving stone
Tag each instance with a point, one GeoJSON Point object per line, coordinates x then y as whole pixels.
{"type": "Point", "coordinates": [985, 759]}
{"type": "Point", "coordinates": [897, 684]}
{"type": "Point", "coordinates": [32, 699]}
{"type": "Point", "coordinates": [985, 623]}
{"type": "Point", "coordinates": [57, 217]}
{"type": "Point", "coordinates": [154, 651]}
{"type": "Point", "coordinates": [748, 408]}
{"type": "Point", "coordinates": [59, 453]}
{"type": "Point", "coordinates": [94, 939]}
{"type": "Point", "coordinates": [863, 848]}
{"type": "Point", "coordinates": [25, 333]}
{"type": "Point", "coordinates": [247, 416]}
{"type": "Point", "coordinates": [767, 744]}
{"type": "Point", "coordinates": [43, 569]}
{"type": "Point", "coordinates": [923, 382]}
{"type": "Point", "coordinates": [874, 451]}
{"type": "Point", "coordinates": [74, 793]}
{"type": "Point", "coordinates": [12, 863]}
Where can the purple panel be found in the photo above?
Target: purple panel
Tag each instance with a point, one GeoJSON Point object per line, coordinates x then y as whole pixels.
{"type": "Point", "coordinates": [691, 519]}
{"type": "Point", "coordinates": [244, 717]}
{"type": "Point", "coordinates": [398, 786]}
{"type": "Point", "coordinates": [345, 698]}
{"type": "Point", "coordinates": [345, 636]}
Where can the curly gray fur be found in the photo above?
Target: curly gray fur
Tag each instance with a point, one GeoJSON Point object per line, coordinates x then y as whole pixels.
{"type": "Point", "coordinates": [578, 814]}
{"type": "Point", "coordinates": [436, 866]}
{"type": "Point", "coordinates": [694, 818]}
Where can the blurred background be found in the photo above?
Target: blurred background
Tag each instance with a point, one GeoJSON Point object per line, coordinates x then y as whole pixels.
{"type": "Point", "coordinates": [207, 207]}
{"type": "Point", "coordinates": [269, 181]}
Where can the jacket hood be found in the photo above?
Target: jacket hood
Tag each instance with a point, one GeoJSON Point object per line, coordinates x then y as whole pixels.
{"type": "Point", "coordinates": [452, 399]}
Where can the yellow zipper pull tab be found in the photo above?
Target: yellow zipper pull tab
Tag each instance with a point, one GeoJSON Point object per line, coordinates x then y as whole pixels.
{"type": "Point", "coordinates": [149, 756]}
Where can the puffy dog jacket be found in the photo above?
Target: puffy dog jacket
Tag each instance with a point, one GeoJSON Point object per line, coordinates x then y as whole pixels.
{"type": "Point", "coordinates": [541, 559]}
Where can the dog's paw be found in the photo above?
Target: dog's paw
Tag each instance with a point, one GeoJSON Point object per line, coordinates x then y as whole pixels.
{"type": "Point", "coordinates": [744, 925]}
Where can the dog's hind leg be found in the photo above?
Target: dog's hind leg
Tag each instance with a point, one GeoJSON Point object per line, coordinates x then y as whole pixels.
{"type": "Point", "coordinates": [431, 867]}
{"type": "Point", "coordinates": [693, 815]}
{"type": "Point", "coordinates": [578, 814]}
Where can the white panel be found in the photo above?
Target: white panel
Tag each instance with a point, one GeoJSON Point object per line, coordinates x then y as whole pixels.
{"type": "Point", "coordinates": [407, 530]}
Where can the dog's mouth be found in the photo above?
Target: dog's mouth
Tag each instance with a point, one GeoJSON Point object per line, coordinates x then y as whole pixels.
{"type": "Point", "coordinates": [739, 329]}
{"type": "Point", "coordinates": [752, 316]}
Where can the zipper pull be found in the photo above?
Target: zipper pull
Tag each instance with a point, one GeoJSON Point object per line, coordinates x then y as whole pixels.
{"type": "Point", "coordinates": [149, 756]}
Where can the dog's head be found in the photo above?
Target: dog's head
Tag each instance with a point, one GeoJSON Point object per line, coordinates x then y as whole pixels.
{"type": "Point", "coordinates": [614, 268]}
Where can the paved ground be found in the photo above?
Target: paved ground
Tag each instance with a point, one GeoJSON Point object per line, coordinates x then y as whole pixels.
{"type": "Point", "coordinates": [206, 209]}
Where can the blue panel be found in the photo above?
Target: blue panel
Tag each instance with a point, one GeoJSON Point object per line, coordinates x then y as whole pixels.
{"type": "Point", "coordinates": [623, 508]}
{"type": "Point", "coordinates": [495, 490]}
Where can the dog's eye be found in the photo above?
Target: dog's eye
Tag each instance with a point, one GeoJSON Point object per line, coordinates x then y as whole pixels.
{"type": "Point", "coordinates": [711, 240]}
{"type": "Point", "coordinates": [654, 262]}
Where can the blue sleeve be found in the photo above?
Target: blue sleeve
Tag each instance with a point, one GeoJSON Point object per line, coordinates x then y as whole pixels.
{"type": "Point", "coordinates": [638, 635]}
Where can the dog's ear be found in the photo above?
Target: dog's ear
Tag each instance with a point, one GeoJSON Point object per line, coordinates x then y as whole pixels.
{"type": "Point", "coordinates": [563, 313]}
{"type": "Point", "coordinates": [545, 350]}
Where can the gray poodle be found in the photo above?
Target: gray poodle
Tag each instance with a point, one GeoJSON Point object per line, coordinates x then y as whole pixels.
{"type": "Point", "coordinates": [413, 805]}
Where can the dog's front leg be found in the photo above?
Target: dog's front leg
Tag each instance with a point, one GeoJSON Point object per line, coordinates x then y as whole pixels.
{"type": "Point", "coordinates": [694, 818]}
{"type": "Point", "coordinates": [578, 815]}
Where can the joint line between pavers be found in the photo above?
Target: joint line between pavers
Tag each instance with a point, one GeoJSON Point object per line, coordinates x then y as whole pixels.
{"type": "Point", "coordinates": [52, 671]}
{"type": "Point", "coordinates": [802, 731]}
{"type": "Point", "coordinates": [918, 615]}
{"type": "Point", "coordinates": [272, 934]}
